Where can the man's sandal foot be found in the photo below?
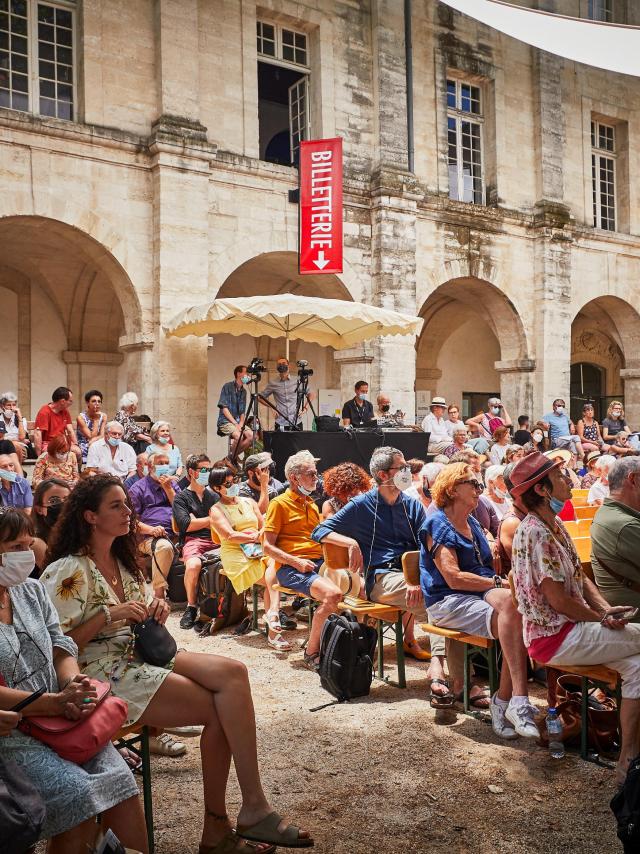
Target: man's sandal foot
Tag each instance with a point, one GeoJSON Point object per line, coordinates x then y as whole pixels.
{"type": "Point", "coordinates": [478, 701]}
{"type": "Point", "coordinates": [232, 844]}
{"type": "Point", "coordinates": [441, 701]}
{"type": "Point", "coordinates": [267, 830]}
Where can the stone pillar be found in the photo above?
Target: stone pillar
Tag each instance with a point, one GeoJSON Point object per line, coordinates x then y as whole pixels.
{"type": "Point", "coordinates": [631, 378]}
{"type": "Point", "coordinates": [97, 369]}
{"type": "Point", "coordinates": [553, 240]}
{"type": "Point", "coordinates": [177, 58]}
{"type": "Point", "coordinates": [139, 368]}
{"type": "Point", "coordinates": [355, 364]}
{"type": "Point", "coordinates": [516, 387]}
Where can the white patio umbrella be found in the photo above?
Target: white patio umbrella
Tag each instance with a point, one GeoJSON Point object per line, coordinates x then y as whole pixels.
{"type": "Point", "coordinates": [329, 322]}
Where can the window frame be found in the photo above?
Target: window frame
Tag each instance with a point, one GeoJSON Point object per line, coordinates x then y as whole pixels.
{"type": "Point", "coordinates": [599, 154]}
{"type": "Point", "coordinates": [303, 70]}
{"type": "Point", "coordinates": [33, 59]}
{"type": "Point", "coordinates": [606, 8]}
{"type": "Point", "coordinates": [459, 115]}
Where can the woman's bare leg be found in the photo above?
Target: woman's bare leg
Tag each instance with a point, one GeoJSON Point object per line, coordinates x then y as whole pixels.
{"type": "Point", "coordinates": [78, 840]}
{"type": "Point", "coordinates": [126, 820]}
{"type": "Point", "coordinates": [270, 579]}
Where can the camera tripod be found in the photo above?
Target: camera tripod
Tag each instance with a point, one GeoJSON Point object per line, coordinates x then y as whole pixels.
{"type": "Point", "coordinates": [302, 394]}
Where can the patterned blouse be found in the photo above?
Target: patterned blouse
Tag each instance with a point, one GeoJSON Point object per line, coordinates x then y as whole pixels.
{"type": "Point", "coordinates": [79, 590]}
{"type": "Point", "coordinates": [47, 467]}
{"type": "Point", "coordinates": [540, 553]}
{"type": "Point", "coordinates": [129, 425]}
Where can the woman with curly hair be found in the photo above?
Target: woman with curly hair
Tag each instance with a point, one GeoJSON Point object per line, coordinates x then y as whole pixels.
{"type": "Point", "coordinates": [94, 582]}
{"type": "Point", "coordinates": [341, 483]}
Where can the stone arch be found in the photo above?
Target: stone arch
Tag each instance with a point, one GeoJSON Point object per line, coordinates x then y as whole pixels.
{"type": "Point", "coordinates": [605, 331]}
{"type": "Point", "coordinates": [236, 258]}
{"type": "Point", "coordinates": [75, 301]}
{"type": "Point", "coordinates": [489, 327]}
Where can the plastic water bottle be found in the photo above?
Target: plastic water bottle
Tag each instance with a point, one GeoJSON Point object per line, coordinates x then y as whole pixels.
{"type": "Point", "coordinates": [554, 728]}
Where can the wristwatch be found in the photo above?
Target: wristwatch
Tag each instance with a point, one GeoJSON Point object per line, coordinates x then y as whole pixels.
{"type": "Point", "coordinates": [497, 581]}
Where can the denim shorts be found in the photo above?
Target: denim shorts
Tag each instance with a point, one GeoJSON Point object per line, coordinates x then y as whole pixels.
{"type": "Point", "coordinates": [299, 581]}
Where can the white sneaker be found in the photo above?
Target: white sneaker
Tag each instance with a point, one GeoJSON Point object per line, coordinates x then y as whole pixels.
{"type": "Point", "coordinates": [523, 717]}
{"type": "Point", "coordinates": [164, 745]}
{"type": "Point", "coordinates": [185, 731]}
{"type": "Point", "coordinates": [499, 721]}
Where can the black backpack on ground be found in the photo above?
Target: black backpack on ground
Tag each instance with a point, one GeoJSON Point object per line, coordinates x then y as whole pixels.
{"type": "Point", "coordinates": [625, 805]}
{"type": "Point", "coordinates": [218, 603]}
{"type": "Point", "coordinates": [347, 648]}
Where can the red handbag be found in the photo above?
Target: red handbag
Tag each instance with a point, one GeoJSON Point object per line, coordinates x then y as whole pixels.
{"type": "Point", "coordinates": [79, 741]}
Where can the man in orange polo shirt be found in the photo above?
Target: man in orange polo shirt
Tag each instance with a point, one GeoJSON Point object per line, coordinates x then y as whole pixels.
{"type": "Point", "coordinates": [291, 518]}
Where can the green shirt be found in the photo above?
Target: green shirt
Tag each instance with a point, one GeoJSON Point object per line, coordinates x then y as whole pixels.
{"type": "Point", "coordinates": [615, 537]}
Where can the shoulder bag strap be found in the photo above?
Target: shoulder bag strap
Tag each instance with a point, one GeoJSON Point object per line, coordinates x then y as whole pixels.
{"type": "Point", "coordinates": [625, 582]}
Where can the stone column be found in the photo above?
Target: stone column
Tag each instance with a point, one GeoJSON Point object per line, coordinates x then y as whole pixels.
{"type": "Point", "coordinates": [177, 58]}
{"type": "Point", "coordinates": [553, 240]}
{"type": "Point", "coordinates": [86, 369]}
{"type": "Point", "coordinates": [516, 387]}
{"type": "Point", "coordinates": [631, 378]}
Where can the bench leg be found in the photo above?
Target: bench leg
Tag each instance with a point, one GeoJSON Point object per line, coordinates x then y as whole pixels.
{"type": "Point", "coordinates": [467, 677]}
{"type": "Point", "coordinates": [402, 678]}
{"type": "Point", "coordinates": [379, 629]}
{"type": "Point", "coordinates": [254, 618]}
{"type": "Point", "coordinates": [584, 711]}
{"type": "Point", "coordinates": [146, 786]}
{"type": "Point", "coordinates": [492, 661]}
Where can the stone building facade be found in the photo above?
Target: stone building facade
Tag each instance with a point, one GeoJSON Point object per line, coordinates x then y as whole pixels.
{"type": "Point", "coordinates": [145, 152]}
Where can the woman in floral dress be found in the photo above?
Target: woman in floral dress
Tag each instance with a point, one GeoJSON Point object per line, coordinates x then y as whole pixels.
{"type": "Point", "coordinates": [94, 582]}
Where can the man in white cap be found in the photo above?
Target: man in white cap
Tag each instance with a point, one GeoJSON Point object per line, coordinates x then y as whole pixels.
{"type": "Point", "coordinates": [435, 424]}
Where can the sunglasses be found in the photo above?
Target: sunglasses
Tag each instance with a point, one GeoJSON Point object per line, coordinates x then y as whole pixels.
{"type": "Point", "coordinates": [474, 483]}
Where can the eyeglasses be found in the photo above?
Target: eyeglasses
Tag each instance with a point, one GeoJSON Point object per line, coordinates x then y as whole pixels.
{"type": "Point", "coordinates": [207, 470]}
{"type": "Point", "coordinates": [405, 467]}
{"type": "Point", "coordinates": [229, 483]}
{"type": "Point", "coordinates": [474, 483]}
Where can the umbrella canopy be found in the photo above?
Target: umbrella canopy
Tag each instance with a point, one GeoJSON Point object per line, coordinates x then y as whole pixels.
{"type": "Point", "coordinates": [329, 322]}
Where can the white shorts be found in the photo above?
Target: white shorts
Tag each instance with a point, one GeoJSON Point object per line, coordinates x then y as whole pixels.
{"type": "Point", "coordinates": [463, 613]}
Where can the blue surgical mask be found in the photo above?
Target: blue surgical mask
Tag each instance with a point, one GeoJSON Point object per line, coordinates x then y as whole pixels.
{"type": "Point", "coordinates": [560, 410]}
{"type": "Point", "coordinates": [362, 395]}
{"type": "Point", "coordinates": [495, 410]}
{"type": "Point", "coordinates": [246, 380]}
{"type": "Point", "coordinates": [203, 478]}
{"type": "Point", "coordinates": [555, 504]}
{"type": "Point", "coordinates": [163, 469]}
{"type": "Point", "coordinates": [113, 441]}
{"type": "Point", "coordinates": [145, 471]}
{"type": "Point", "coordinates": [306, 491]}
{"type": "Point", "coordinates": [233, 491]}
{"type": "Point", "coordinates": [5, 474]}
{"type": "Point", "coordinates": [163, 440]}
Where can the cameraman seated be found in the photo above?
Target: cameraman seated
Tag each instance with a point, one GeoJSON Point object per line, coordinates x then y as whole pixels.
{"type": "Point", "coordinates": [260, 485]}
{"type": "Point", "coordinates": [191, 516]}
{"type": "Point", "coordinates": [232, 406]}
{"type": "Point", "coordinates": [378, 527]}
{"type": "Point", "coordinates": [152, 497]}
{"type": "Point", "coordinates": [291, 518]}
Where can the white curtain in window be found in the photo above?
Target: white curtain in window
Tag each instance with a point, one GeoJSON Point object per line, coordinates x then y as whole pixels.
{"type": "Point", "coordinates": [608, 46]}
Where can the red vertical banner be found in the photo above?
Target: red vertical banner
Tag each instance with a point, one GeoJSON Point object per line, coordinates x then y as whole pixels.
{"type": "Point", "coordinates": [320, 239]}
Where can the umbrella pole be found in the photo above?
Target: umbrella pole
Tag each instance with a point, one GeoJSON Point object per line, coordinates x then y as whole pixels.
{"type": "Point", "coordinates": [287, 346]}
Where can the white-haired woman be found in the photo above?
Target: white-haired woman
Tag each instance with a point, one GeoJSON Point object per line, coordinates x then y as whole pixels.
{"type": "Point", "coordinates": [496, 491]}
{"type": "Point", "coordinates": [162, 443]}
{"type": "Point", "coordinates": [600, 489]}
{"type": "Point", "coordinates": [134, 434]}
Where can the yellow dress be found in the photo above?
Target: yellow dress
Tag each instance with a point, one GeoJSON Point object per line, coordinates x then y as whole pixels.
{"type": "Point", "coordinates": [242, 571]}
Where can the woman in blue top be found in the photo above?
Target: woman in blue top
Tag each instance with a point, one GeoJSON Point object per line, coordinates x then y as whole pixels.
{"type": "Point", "coordinates": [462, 593]}
{"type": "Point", "coordinates": [161, 442]}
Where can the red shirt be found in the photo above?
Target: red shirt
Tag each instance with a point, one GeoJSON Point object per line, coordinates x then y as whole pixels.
{"type": "Point", "coordinates": [51, 423]}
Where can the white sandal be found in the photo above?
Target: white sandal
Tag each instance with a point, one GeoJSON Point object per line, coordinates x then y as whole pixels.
{"type": "Point", "coordinates": [272, 621]}
{"type": "Point", "coordinates": [279, 644]}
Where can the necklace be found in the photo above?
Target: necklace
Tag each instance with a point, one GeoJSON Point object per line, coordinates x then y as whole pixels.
{"type": "Point", "coordinates": [115, 570]}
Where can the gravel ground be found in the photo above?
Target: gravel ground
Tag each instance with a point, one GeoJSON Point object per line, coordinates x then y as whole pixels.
{"type": "Point", "coordinates": [387, 773]}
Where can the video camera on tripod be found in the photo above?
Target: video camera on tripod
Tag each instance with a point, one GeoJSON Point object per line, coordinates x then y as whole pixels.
{"type": "Point", "coordinates": [256, 368]}
{"type": "Point", "coordinates": [304, 372]}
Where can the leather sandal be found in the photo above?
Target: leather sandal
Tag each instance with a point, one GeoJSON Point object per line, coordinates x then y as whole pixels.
{"type": "Point", "coordinates": [267, 830]}
{"type": "Point", "coordinates": [441, 701]}
{"type": "Point", "coordinates": [232, 844]}
{"type": "Point", "coordinates": [414, 650]}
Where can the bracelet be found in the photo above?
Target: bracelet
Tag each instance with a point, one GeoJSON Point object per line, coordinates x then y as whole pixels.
{"type": "Point", "coordinates": [107, 615]}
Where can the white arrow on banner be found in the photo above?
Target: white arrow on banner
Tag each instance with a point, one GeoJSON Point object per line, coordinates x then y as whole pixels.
{"type": "Point", "coordinates": [320, 262]}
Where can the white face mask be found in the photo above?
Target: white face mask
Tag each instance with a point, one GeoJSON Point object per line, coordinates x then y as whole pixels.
{"type": "Point", "coordinates": [16, 567]}
{"type": "Point", "coordinates": [500, 493]}
{"type": "Point", "coordinates": [560, 410]}
{"type": "Point", "coordinates": [537, 436]}
{"type": "Point", "coordinates": [402, 479]}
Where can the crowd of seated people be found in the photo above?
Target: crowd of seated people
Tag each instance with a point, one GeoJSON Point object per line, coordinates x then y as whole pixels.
{"type": "Point", "coordinates": [106, 493]}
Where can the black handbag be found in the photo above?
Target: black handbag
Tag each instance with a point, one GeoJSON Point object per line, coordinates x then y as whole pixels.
{"type": "Point", "coordinates": [327, 424]}
{"type": "Point", "coordinates": [22, 810]}
{"type": "Point", "coordinates": [154, 643]}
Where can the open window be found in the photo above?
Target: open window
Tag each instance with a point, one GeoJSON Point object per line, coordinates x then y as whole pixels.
{"type": "Point", "coordinates": [283, 92]}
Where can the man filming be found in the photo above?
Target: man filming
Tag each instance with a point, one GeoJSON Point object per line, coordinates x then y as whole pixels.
{"type": "Point", "coordinates": [284, 391]}
{"type": "Point", "coordinates": [232, 406]}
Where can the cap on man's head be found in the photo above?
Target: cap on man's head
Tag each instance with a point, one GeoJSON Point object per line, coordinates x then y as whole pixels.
{"type": "Point", "coordinates": [437, 401]}
{"type": "Point", "coordinates": [531, 470]}
{"type": "Point", "coordinates": [258, 461]}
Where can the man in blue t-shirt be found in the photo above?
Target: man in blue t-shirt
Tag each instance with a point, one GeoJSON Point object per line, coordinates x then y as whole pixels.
{"type": "Point", "coordinates": [377, 528]}
{"type": "Point", "coordinates": [562, 430]}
